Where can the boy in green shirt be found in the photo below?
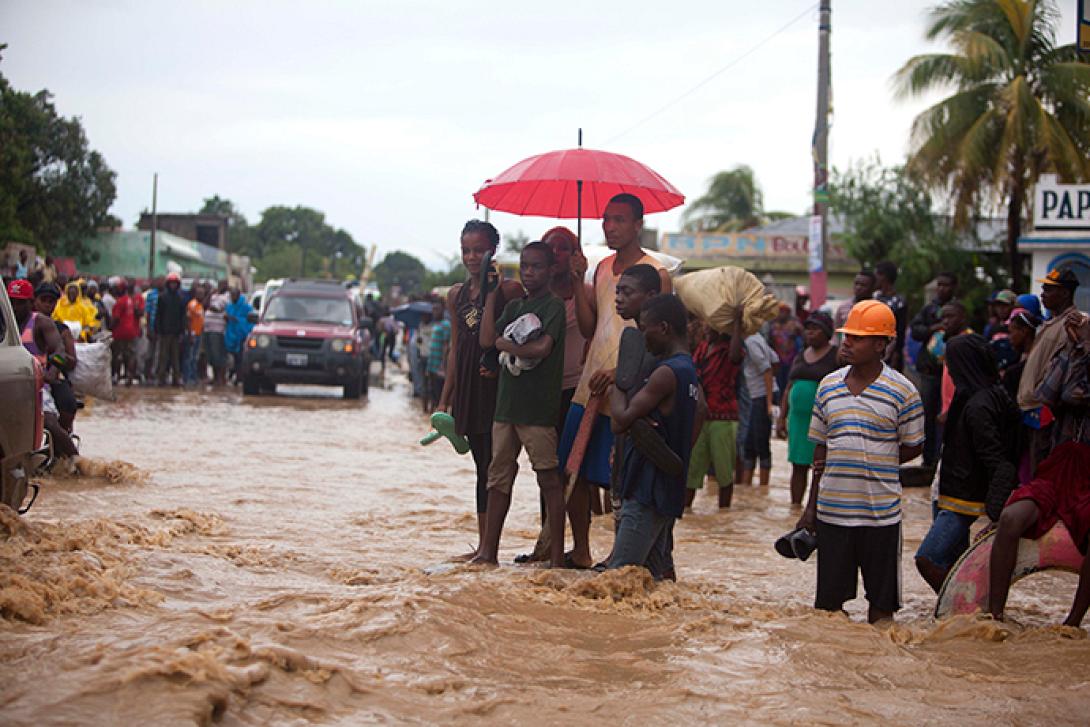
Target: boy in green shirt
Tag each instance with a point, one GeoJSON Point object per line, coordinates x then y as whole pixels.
{"type": "Point", "coordinates": [527, 405]}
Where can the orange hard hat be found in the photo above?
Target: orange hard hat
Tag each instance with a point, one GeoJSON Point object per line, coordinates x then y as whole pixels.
{"type": "Point", "coordinates": [870, 318]}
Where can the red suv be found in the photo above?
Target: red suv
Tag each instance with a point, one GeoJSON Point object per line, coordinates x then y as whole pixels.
{"type": "Point", "coordinates": [311, 332]}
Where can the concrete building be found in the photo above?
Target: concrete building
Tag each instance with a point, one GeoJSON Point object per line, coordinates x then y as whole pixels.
{"type": "Point", "coordinates": [126, 253]}
{"type": "Point", "coordinates": [209, 229]}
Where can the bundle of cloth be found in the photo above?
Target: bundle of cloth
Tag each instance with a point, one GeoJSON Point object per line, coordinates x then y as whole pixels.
{"type": "Point", "coordinates": [521, 331]}
{"type": "Point", "coordinates": [713, 295]}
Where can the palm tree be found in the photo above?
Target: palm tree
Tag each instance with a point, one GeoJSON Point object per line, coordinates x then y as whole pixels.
{"type": "Point", "coordinates": [1019, 108]}
{"type": "Point", "coordinates": [733, 202]}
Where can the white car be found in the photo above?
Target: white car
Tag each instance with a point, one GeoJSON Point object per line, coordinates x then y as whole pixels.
{"type": "Point", "coordinates": [259, 299]}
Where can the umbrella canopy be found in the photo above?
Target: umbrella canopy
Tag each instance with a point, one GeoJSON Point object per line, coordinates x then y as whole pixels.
{"type": "Point", "coordinates": [412, 313]}
{"type": "Point", "coordinates": [575, 183]}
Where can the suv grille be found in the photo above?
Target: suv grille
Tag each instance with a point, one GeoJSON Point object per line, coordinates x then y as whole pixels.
{"type": "Point", "coordinates": [299, 344]}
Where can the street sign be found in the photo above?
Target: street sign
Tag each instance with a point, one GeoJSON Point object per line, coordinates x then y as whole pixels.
{"type": "Point", "coordinates": [817, 257]}
{"type": "Point", "coordinates": [1060, 206]}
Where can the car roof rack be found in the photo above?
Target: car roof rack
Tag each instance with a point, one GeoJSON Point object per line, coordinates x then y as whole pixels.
{"type": "Point", "coordinates": [312, 283]}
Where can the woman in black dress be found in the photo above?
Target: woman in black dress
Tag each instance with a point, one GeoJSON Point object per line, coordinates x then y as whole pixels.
{"type": "Point", "coordinates": [469, 392]}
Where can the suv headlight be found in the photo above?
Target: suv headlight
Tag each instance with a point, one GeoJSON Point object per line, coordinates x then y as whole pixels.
{"type": "Point", "coordinates": [264, 341]}
{"type": "Point", "coordinates": [342, 345]}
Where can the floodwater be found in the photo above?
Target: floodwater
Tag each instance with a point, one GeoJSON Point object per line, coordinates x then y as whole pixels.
{"type": "Point", "coordinates": [261, 561]}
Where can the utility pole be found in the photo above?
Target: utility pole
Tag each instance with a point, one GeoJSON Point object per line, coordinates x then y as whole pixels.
{"type": "Point", "coordinates": [819, 223]}
{"type": "Point", "coordinates": [154, 224]}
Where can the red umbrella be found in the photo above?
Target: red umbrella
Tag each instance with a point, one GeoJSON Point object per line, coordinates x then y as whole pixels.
{"type": "Point", "coordinates": [570, 182]}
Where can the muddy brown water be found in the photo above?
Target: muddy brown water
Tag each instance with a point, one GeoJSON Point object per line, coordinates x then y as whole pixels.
{"type": "Point", "coordinates": [261, 561]}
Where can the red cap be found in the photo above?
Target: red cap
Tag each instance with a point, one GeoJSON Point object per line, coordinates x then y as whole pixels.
{"type": "Point", "coordinates": [174, 276]}
{"type": "Point", "coordinates": [20, 290]}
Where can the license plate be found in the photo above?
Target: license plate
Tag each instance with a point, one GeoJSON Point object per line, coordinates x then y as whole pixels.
{"type": "Point", "coordinates": [296, 359]}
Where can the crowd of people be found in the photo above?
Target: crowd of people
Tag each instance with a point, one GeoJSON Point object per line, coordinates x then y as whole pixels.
{"type": "Point", "coordinates": [626, 404]}
{"type": "Point", "coordinates": [159, 335]}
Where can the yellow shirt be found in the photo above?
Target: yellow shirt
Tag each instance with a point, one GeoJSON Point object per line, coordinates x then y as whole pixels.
{"type": "Point", "coordinates": [82, 312]}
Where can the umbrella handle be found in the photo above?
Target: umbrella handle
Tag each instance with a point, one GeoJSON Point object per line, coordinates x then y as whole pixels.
{"type": "Point", "coordinates": [579, 204]}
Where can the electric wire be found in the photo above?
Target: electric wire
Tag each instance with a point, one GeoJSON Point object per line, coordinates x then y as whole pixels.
{"type": "Point", "coordinates": [715, 75]}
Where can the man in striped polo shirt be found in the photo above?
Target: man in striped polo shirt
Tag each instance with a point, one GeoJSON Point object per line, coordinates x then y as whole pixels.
{"type": "Point", "coordinates": [867, 420]}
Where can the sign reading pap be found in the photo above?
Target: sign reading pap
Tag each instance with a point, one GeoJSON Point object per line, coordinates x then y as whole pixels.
{"type": "Point", "coordinates": [1061, 206]}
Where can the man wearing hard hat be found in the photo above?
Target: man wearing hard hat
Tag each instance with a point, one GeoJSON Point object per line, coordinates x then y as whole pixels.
{"type": "Point", "coordinates": [867, 420]}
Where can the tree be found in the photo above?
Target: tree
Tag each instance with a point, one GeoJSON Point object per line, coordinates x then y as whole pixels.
{"type": "Point", "coordinates": [733, 202]}
{"type": "Point", "coordinates": [238, 229]}
{"type": "Point", "coordinates": [400, 268]}
{"type": "Point", "coordinates": [282, 262]}
{"type": "Point", "coordinates": [1019, 108]}
{"type": "Point", "coordinates": [54, 190]}
{"type": "Point", "coordinates": [885, 212]}
{"type": "Point", "coordinates": [515, 242]}
{"type": "Point", "coordinates": [305, 229]}
{"type": "Point", "coordinates": [443, 279]}
{"type": "Point", "coordinates": [889, 215]}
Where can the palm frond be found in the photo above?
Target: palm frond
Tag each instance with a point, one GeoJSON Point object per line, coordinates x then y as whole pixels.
{"type": "Point", "coordinates": [977, 148]}
{"type": "Point", "coordinates": [986, 57]}
{"type": "Point", "coordinates": [1066, 81]}
{"type": "Point", "coordinates": [931, 71]}
{"type": "Point", "coordinates": [1019, 19]}
{"type": "Point", "coordinates": [948, 119]}
{"type": "Point", "coordinates": [1063, 153]}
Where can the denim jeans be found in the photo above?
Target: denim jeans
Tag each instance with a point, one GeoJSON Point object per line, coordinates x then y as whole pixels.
{"type": "Point", "coordinates": [947, 539]}
{"type": "Point", "coordinates": [191, 349]}
{"type": "Point", "coordinates": [644, 538]}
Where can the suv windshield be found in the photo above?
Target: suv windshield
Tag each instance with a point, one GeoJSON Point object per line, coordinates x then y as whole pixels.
{"type": "Point", "coordinates": [304, 308]}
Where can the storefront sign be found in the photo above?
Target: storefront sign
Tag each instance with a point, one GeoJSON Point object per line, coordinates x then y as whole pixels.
{"type": "Point", "coordinates": [1083, 19]}
{"type": "Point", "coordinates": [1061, 206]}
{"type": "Point", "coordinates": [743, 245]}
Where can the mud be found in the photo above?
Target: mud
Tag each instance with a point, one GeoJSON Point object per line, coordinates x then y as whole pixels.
{"type": "Point", "coordinates": [263, 561]}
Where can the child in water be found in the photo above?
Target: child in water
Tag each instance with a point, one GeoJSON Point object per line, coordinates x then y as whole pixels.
{"type": "Point", "coordinates": [527, 404]}
{"type": "Point", "coordinates": [469, 391]}
{"type": "Point", "coordinates": [651, 499]}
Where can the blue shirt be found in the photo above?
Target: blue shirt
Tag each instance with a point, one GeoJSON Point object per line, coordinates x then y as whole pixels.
{"type": "Point", "coordinates": [641, 480]}
{"type": "Point", "coordinates": [239, 326]}
{"type": "Point", "coordinates": [151, 303]}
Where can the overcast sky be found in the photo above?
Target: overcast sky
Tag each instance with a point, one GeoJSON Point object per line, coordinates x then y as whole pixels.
{"type": "Point", "coordinates": [387, 116]}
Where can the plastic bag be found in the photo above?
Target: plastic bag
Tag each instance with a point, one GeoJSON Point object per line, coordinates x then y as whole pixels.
{"type": "Point", "coordinates": [49, 406]}
{"type": "Point", "coordinates": [712, 295]}
{"type": "Point", "coordinates": [525, 328]}
{"type": "Point", "coordinates": [91, 376]}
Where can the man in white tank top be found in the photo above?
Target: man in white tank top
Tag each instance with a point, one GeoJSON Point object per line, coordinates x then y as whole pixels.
{"type": "Point", "coordinates": [599, 322]}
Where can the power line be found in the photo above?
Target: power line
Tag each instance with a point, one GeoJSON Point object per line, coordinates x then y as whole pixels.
{"type": "Point", "coordinates": [715, 75]}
